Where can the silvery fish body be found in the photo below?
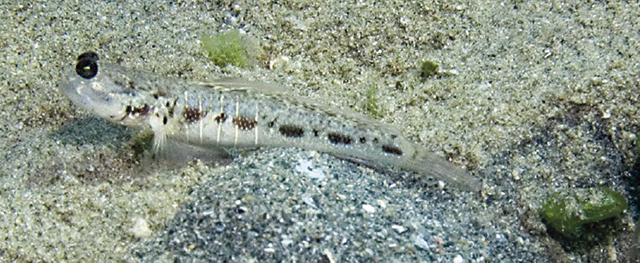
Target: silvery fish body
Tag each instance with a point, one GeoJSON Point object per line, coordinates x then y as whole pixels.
{"type": "Point", "coordinates": [236, 114]}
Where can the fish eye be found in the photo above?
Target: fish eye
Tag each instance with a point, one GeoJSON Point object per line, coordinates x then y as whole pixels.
{"type": "Point", "coordinates": [89, 54]}
{"type": "Point", "coordinates": [87, 66]}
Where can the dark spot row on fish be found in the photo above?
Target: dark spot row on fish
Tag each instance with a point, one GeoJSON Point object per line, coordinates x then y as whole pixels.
{"type": "Point", "coordinates": [292, 131]}
{"type": "Point", "coordinates": [193, 114]}
{"type": "Point", "coordinates": [391, 149]}
{"type": "Point", "coordinates": [244, 123]}
{"type": "Point", "coordinates": [338, 138]}
{"type": "Point", "coordinates": [222, 117]}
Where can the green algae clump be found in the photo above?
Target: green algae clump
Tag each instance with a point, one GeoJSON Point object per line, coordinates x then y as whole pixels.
{"type": "Point", "coordinates": [371, 104]}
{"type": "Point", "coordinates": [428, 69]}
{"type": "Point", "coordinates": [227, 48]}
{"type": "Point", "coordinates": [566, 211]}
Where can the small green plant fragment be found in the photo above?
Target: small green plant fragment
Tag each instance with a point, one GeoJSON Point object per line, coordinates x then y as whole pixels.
{"type": "Point", "coordinates": [428, 69]}
{"type": "Point", "coordinates": [568, 210]}
{"type": "Point", "coordinates": [226, 48]}
{"type": "Point", "coordinates": [371, 104]}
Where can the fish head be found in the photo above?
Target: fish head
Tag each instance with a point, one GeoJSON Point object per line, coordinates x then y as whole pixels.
{"type": "Point", "coordinates": [105, 90]}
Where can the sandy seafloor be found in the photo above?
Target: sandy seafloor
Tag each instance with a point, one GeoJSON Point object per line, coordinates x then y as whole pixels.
{"type": "Point", "coordinates": [532, 98]}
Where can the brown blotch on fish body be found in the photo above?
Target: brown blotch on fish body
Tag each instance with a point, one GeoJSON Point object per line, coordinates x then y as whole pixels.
{"type": "Point", "coordinates": [271, 123]}
{"type": "Point", "coordinates": [192, 114]}
{"type": "Point", "coordinates": [222, 117]}
{"type": "Point", "coordinates": [391, 149]}
{"type": "Point", "coordinates": [338, 138]}
{"type": "Point", "coordinates": [140, 110]}
{"type": "Point", "coordinates": [291, 131]}
{"type": "Point", "coordinates": [245, 123]}
{"type": "Point", "coordinates": [135, 111]}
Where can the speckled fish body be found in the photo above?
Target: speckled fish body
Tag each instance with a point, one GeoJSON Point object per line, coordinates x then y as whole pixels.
{"type": "Point", "coordinates": [235, 114]}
